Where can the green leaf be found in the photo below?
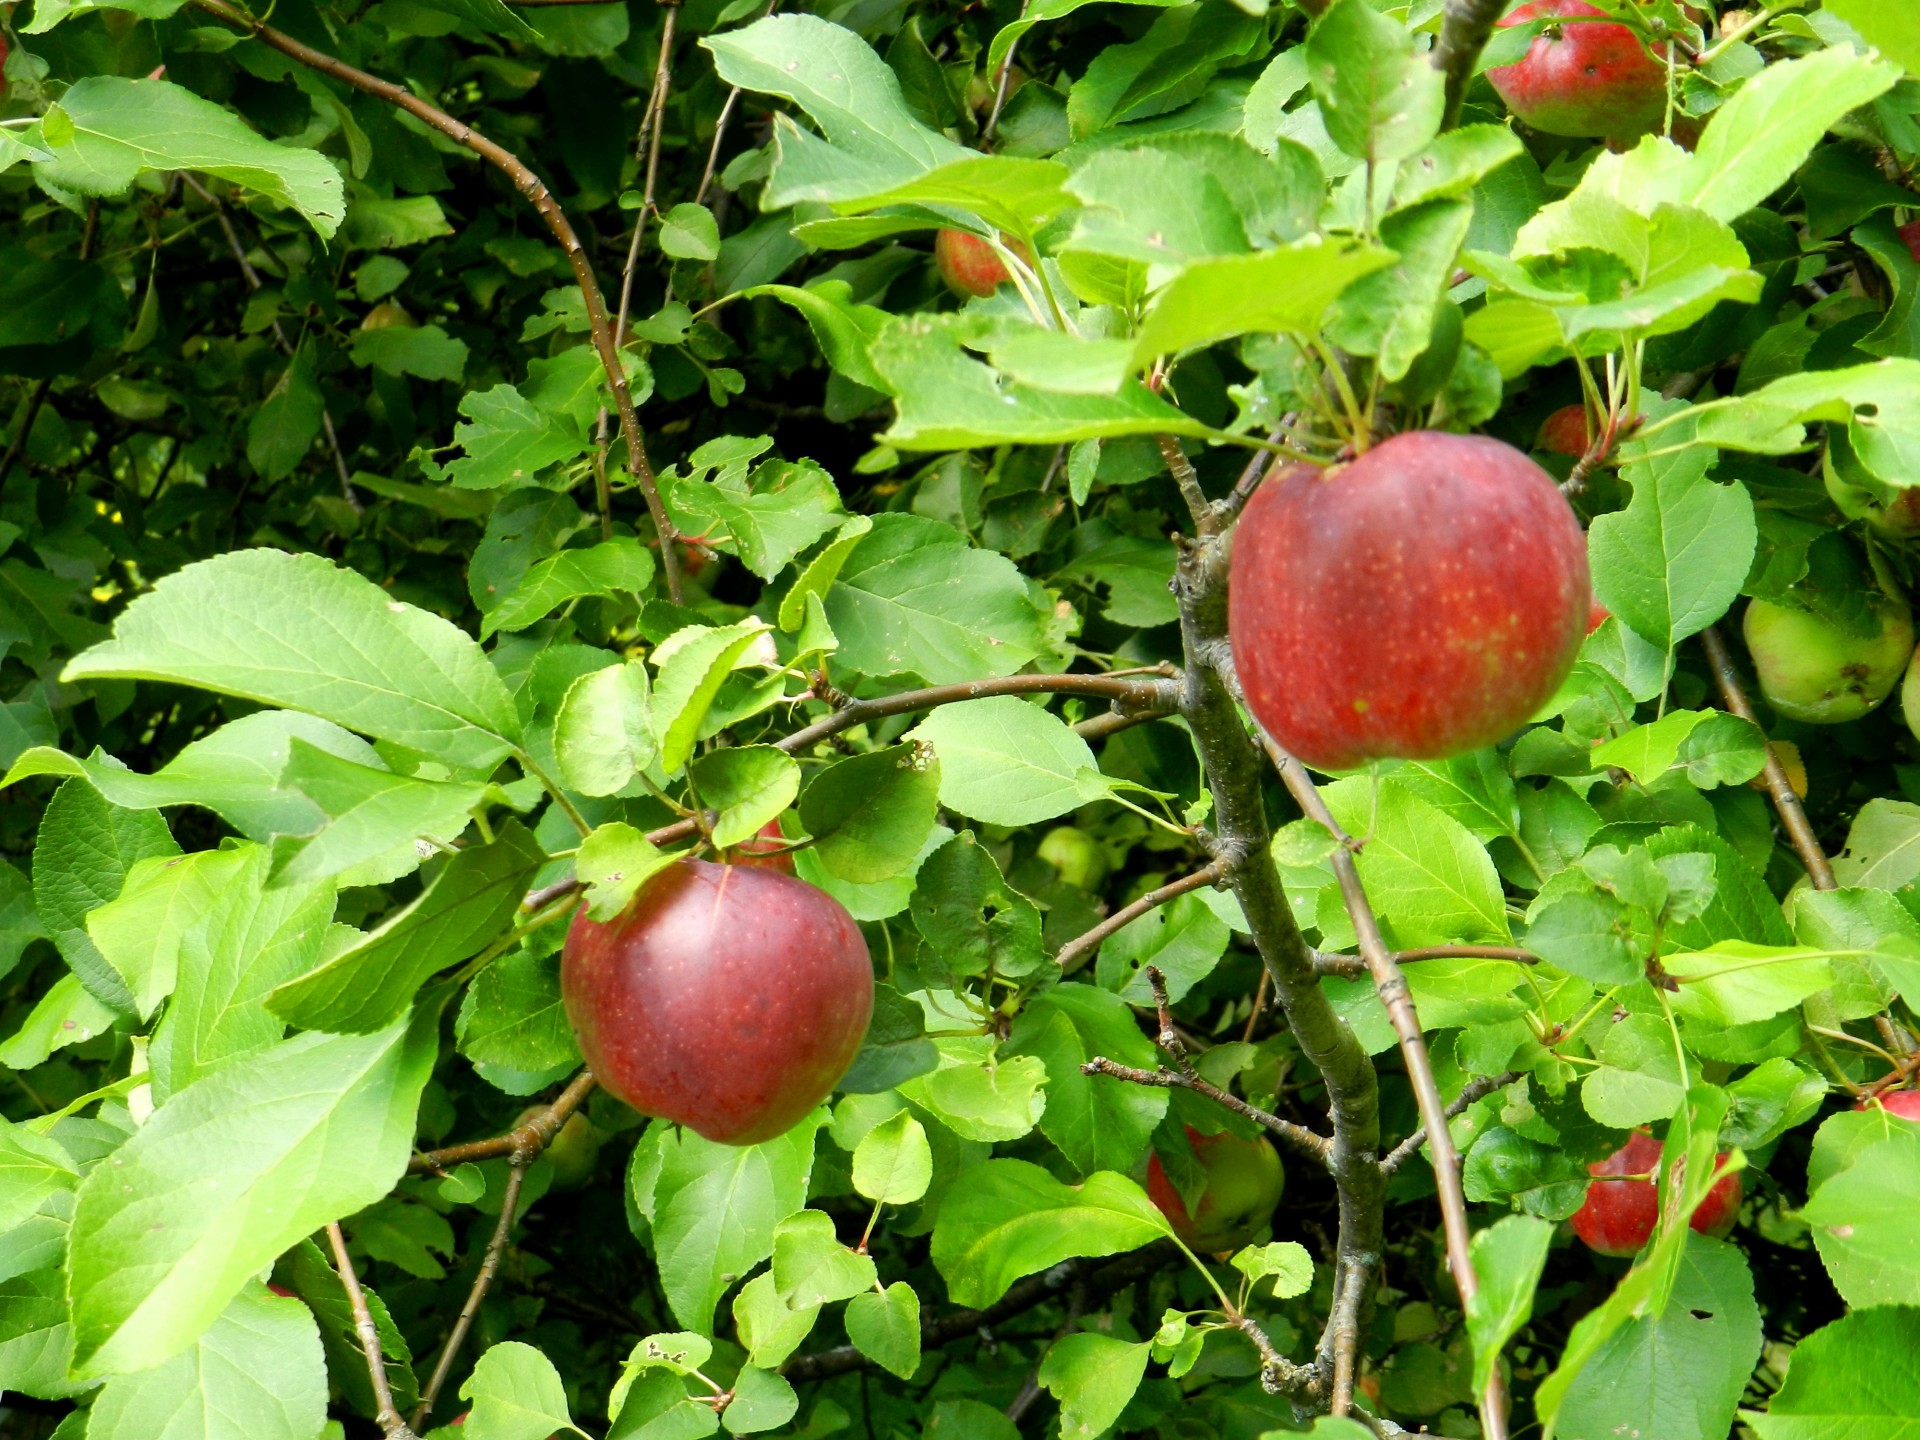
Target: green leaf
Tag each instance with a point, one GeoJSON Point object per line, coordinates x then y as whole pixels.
{"type": "Point", "coordinates": [1183, 939]}
{"type": "Point", "coordinates": [1736, 982]}
{"type": "Point", "coordinates": [766, 516]}
{"type": "Point", "coordinates": [1883, 846]}
{"type": "Point", "coordinates": [690, 677]}
{"type": "Point", "coordinates": [614, 862]}
{"type": "Point", "coordinates": [513, 1015]}
{"type": "Point", "coordinates": [1380, 100]}
{"type": "Point", "coordinates": [370, 811]}
{"type": "Point", "coordinates": [300, 632]}
{"type": "Point", "coordinates": [471, 901]}
{"type": "Point", "coordinates": [1428, 877]}
{"type": "Point", "coordinates": [1677, 1373]}
{"type": "Point", "coordinates": [36, 1338]}
{"type": "Point", "coordinates": [1894, 33]}
{"type": "Point", "coordinates": [1862, 1224]}
{"type": "Point", "coordinates": [1093, 1377]}
{"type": "Point", "coordinates": [228, 1173]}
{"type": "Point", "coordinates": [767, 1326]}
{"type": "Point", "coordinates": [1012, 1219]}
{"type": "Point", "coordinates": [1590, 934]}
{"type": "Point", "coordinates": [689, 232]}
{"type": "Point", "coordinates": [975, 922]}
{"type": "Point", "coordinates": [1532, 1176]}
{"type": "Point", "coordinates": [283, 429]}
{"type": "Point", "coordinates": [1008, 761]}
{"type": "Point", "coordinates": [508, 440]}
{"type": "Point", "coordinates": [1390, 313]}
{"type": "Point", "coordinates": [516, 1395]}
{"type": "Point", "coordinates": [748, 785]}
{"type": "Point", "coordinates": [256, 1374]}
{"type": "Point", "coordinates": [761, 1401]}
{"type": "Point", "coordinates": [977, 1096]}
{"type": "Point", "coordinates": [1508, 1257]}
{"type": "Point", "coordinates": [893, 1164]}
{"type": "Point", "coordinates": [1098, 1123]}
{"type": "Point", "coordinates": [1284, 1262]}
{"type": "Point", "coordinates": [842, 329]}
{"type": "Point", "coordinates": [714, 1208]}
{"type": "Point", "coordinates": [603, 732]}
{"type": "Point", "coordinates": [423, 350]}
{"type": "Point", "coordinates": [33, 1168]}
{"type": "Point", "coordinates": [1639, 1079]}
{"type": "Point", "coordinates": [810, 1265]}
{"type": "Point", "coordinates": [1851, 1378]}
{"type": "Point", "coordinates": [112, 130]}
{"type": "Point", "coordinates": [885, 1327]}
{"type": "Point", "coordinates": [66, 1015]}
{"type": "Point", "coordinates": [1671, 563]}
{"type": "Point", "coordinates": [164, 901]}
{"type": "Point", "coordinates": [914, 598]}
{"type": "Point", "coordinates": [1180, 51]}
{"type": "Point", "coordinates": [1872, 924]}
{"type": "Point", "coordinates": [1286, 290]}
{"type": "Point", "coordinates": [614, 566]}
{"type": "Point", "coordinates": [869, 815]}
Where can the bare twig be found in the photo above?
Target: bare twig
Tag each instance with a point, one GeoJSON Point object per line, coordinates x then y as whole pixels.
{"type": "Point", "coordinates": [537, 194]}
{"type": "Point", "coordinates": [727, 107]}
{"type": "Point", "coordinates": [388, 1418]}
{"type": "Point", "coordinates": [489, 1267]}
{"type": "Point", "coordinates": [1353, 967]}
{"type": "Point", "coordinates": [647, 146]}
{"type": "Point", "coordinates": [1099, 727]}
{"type": "Point", "coordinates": [523, 1143]}
{"type": "Point", "coordinates": [1077, 951]}
{"type": "Point", "coordinates": [1205, 521]}
{"type": "Point", "coordinates": [1463, 35]}
{"type": "Point", "coordinates": [1471, 1093]}
{"type": "Point", "coordinates": [1003, 83]}
{"type": "Point", "coordinates": [1184, 1077]}
{"type": "Point", "coordinates": [1793, 816]}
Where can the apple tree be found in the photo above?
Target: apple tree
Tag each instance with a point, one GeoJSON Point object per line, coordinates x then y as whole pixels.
{"type": "Point", "coordinates": [959, 719]}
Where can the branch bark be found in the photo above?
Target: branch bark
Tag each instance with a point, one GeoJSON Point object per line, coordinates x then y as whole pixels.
{"type": "Point", "coordinates": [1077, 951]}
{"type": "Point", "coordinates": [537, 194]}
{"type": "Point", "coordinates": [524, 1142]}
{"type": "Point", "coordinates": [1471, 1093]}
{"type": "Point", "coordinates": [388, 1417]}
{"type": "Point", "coordinates": [1793, 815]}
{"type": "Point", "coordinates": [1463, 35]}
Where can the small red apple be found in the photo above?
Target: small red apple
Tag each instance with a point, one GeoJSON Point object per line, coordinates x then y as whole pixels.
{"type": "Point", "coordinates": [727, 998]}
{"type": "Point", "coordinates": [3, 66]}
{"type": "Point", "coordinates": [1244, 1181]}
{"type": "Point", "coordinates": [1909, 232]}
{"type": "Point", "coordinates": [1904, 1103]}
{"type": "Point", "coordinates": [968, 263]}
{"type": "Point", "coordinates": [1618, 1215]}
{"type": "Point", "coordinates": [1588, 78]}
{"type": "Point", "coordinates": [282, 1291]}
{"type": "Point", "coordinates": [768, 850]}
{"type": "Point", "coordinates": [1564, 432]}
{"type": "Point", "coordinates": [1419, 603]}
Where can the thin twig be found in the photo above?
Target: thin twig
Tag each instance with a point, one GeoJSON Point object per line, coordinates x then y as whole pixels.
{"type": "Point", "coordinates": [1463, 35]}
{"type": "Point", "coordinates": [1259, 1008]}
{"type": "Point", "coordinates": [1127, 691]}
{"type": "Point", "coordinates": [489, 1267]}
{"type": "Point", "coordinates": [18, 445]}
{"type": "Point", "coordinates": [1077, 951]}
{"type": "Point", "coordinates": [388, 1418]}
{"type": "Point", "coordinates": [537, 194]}
{"type": "Point", "coordinates": [522, 1144]}
{"type": "Point", "coordinates": [1184, 1077]}
{"type": "Point", "coordinates": [1205, 521]}
{"type": "Point", "coordinates": [1793, 816]}
{"type": "Point", "coordinates": [1099, 727]}
{"type": "Point", "coordinates": [1002, 85]}
{"type": "Point", "coordinates": [1471, 1093]}
{"type": "Point", "coordinates": [727, 108]}
{"type": "Point", "coordinates": [1353, 967]}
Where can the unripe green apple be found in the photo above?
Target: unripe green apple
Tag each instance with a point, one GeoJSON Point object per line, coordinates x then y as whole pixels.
{"type": "Point", "coordinates": [1810, 670]}
{"type": "Point", "coordinates": [1244, 1181]}
{"type": "Point", "coordinates": [1078, 858]}
{"type": "Point", "coordinates": [389, 315]}
{"type": "Point", "coordinates": [574, 1149]}
{"type": "Point", "coordinates": [1897, 519]}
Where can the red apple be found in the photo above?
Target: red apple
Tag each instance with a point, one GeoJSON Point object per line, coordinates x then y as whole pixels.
{"type": "Point", "coordinates": [1597, 615]}
{"type": "Point", "coordinates": [3, 66]}
{"type": "Point", "coordinates": [1419, 603]}
{"type": "Point", "coordinates": [1244, 1181]}
{"type": "Point", "coordinates": [1587, 78]}
{"type": "Point", "coordinates": [968, 263]}
{"type": "Point", "coordinates": [768, 850]}
{"type": "Point", "coordinates": [1564, 432]}
{"type": "Point", "coordinates": [727, 998]}
{"type": "Point", "coordinates": [1618, 1215]}
{"type": "Point", "coordinates": [1904, 1103]}
{"type": "Point", "coordinates": [1909, 232]}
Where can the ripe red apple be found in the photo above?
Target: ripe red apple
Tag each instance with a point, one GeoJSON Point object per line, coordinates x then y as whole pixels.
{"type": "Point", "coordinates": [968, 263]}
{"type": "Point", "coordinates": [1813, 671]}
{"type": "Point", "coordinates": [727, 998]}
{"type": "Point", "coordinates": [1244, 1181]}
{"type": "Point", "coordinates": [768, 850]}
{"type": "Point", "coordinates": [1419, 603]}
{"type": "Point", "coordinates": [1618, 1215]}
{"type": "Point", "coordinates": [1586, 78]}
{"type": "Point", "coordinates": [1904, 1103]}
{"type": "Point", "coordinates": [1909, 232]}
{"type": "Point", "coordinates": [1564, 432]}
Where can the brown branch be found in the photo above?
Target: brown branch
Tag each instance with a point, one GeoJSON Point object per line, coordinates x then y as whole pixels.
{"type": "Point", "coordinates": [1352, 967]}
{"type": "Point", "coordinates": [1077, 951]}
{"type": "Point", "coordinates": [489, 1267]}
{"type": "Point", "coordinates": [727, 107]}
{"type": "Point", "coordinates": [1471, 1093]}
{"type": "Point", "coordinates": [1793, 815]}
{"type": "Point", "coordinates": [1205, 521]}
{"type": "Point", "coordinates": [1100, 727]}
{"type": "Point", "coordinates": [1391, 985]}
{"type": "Point", "coordinates": [1184, 1077]}
{"type": "Point", "coordinates": [1463, 35]}
{"type": "Point", "coordinates": [522, 1144]}
{"type": "Point", "coordinates": [537, 194]}
{"type": "Point", "coordinates": [1022, 1296]}
{"type": "Point", "coordinates": [1001, 86]}
{"type": "Point", "coordinates": [388, 1417]}
{"type": "Point", "coordinates": [18, 445]}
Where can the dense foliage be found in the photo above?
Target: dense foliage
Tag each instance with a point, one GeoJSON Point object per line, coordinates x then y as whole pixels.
{"type": "Point", "coordinates": [353, 641]}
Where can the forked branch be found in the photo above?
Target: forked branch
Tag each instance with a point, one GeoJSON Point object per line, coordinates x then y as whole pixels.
{"type": "Point", "coordinates": [524, 1142]}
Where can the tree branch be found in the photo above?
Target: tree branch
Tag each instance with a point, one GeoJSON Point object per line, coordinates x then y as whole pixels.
{"type": "Point", "coordinates": [388, 1418]}
{"type": "Point", "coordinates": [1793, 815]}
{"type": "Point", "coordinates": [537, 194]}
{"type": "Point", "coordinates": [1471, 1093]}
{"type": "Point", "coordinates": [1352, 967]}
{"type": "Point", "coordinates": [1184, 1077]}
{"type": "Point", "coordinates": [525, 1141]}
{"type": "Point", "coordinates": [1463, 35]}
{"type": "Point", "coordinates": [1205, 521]}
{"type": "Point", "coordinates": [1234, 772]}
{"type": "Point", "coordinates": [489, 1267]}
{"type": "Point", "coordinates": [1077, 951]}
{"type": "Point", "coordinates": [1021, 1296]}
